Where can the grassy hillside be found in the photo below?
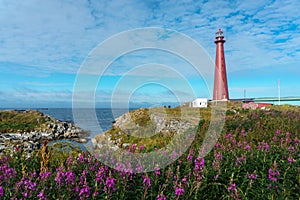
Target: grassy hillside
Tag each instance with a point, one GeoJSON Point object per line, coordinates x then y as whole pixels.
{"type": "Point", "coordinates": [256, 157]}
{"type": "Point", "coordinates": [12, 121]}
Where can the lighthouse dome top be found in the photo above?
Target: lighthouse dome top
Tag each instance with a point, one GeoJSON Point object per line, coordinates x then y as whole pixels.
{"type": "Point", "coordinates": [219, 33]}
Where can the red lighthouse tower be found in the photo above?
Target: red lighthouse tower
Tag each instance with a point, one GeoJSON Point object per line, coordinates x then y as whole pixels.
{"type": "Point", "coordinates": [220, 81]}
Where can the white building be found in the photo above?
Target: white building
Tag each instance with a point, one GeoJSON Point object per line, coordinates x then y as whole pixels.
{"type": "Point", "coordinates": [199, 103]}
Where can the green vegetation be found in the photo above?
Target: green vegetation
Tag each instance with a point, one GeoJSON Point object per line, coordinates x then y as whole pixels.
{"type": "Point", "coordinates": [20, 121]}
{"type": "Point", "coordinates": [256, 157]}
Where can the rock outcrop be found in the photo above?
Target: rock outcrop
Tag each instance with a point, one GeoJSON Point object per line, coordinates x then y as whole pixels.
{"type": "Point", "coordinates": [49, 130]}
{"type": "Point", "coordinates": [141, 122]}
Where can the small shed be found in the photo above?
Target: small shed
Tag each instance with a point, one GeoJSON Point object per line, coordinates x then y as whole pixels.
{"type": "Point", "coordinates": [199, 103]}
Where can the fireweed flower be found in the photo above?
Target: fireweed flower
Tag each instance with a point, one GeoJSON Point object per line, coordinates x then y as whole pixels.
{"type": "Point", "coordinates": [247, 147]}
{"type": "Point", "coordinates": [59, 176]}
{"type": "Point", "coordinates": [219, 156]}
{"type": "Point", "coordinates": [44, 175]}
{"type": "Point", "coordinates": [142, 147]}
{"type": "Point", "coordinates": [1, 191]}
{"type": "Point", "coordinates": [80, 158]}
{"type": "Point", "coordinates": [82, 178]}
{"type": "Point", "coordinates": [157, 171]}
{"type": "Point", "coordinates": [7, 172]}
{"type": "Point", "coordinates": [70, 177]}
{"type": "Point", "coordinates": [291, 160]}
{"type": "Point", "coordinates": [232, 187]}
{"type": "Point", "coordinates": [216, 176]}
{"type": "Point", "coordinates": [199, 167]}
{"type": "Point", "coordinates": [110, 182]}
{"type": "Point", "coordinates": [243, 133]}
{"type": "Point", "coordinates": [33, 175]}
{"type": "Point", "coordinates": [263, 146]}
{"type": "Point", "coordinates": [228, 136]}
{"type": "Point", "coordinates": [252, 176]}
{"type": "Point", "coordinates": [100, 175]}
{"type": "Point", "coordinates": [291, 149]}
{"type": "Point", "coordinates": [190, 155]}
{"type": "Point", "coordinates": [84, 192]}
{"type": "Point", "coordinates": [27, 186]}
{"type": "Point", "coordinates": [179, 191]}
{"type": "Point", "coordinates": [132, 148]}
{"type": "Point", "coordinates": [146, 181]}
{"type": "Point", "coordinates": [273, 174]}
{"type": "Point", "coordinates": [161, 197]}
{"type": "Point", "coordinates": [41, 195]}
{"type": "Point", "coordinates": [69, 161]}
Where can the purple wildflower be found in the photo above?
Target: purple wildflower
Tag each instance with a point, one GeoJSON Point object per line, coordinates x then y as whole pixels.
{"type": "Point", "coordinates": [239, 161]}
{"type": "Point", "coordinates": [228, 136]}
{"type": "Point", "coordinates": [69, 161]}
{"type": "Point", "coordinates": [110, 182]}
{"type": "Point", "coordinates": [70, 177]}
{"type": "Point", "coordinates": [179, 191]}
{"type": "Point", "coordinates": [80, 158]}
{"type": "Point", "coordinates": [1, 191]}
{"type": "Point", "coordinates": [161, 197]}
{"type": "Point", "coordinates": [273, 174]}
{"type": "Point", "coordinates": [8, 172]}
{"type": "Point", "coordinates": [219, 156]}
{"type": "Point", "coordinates": [142, 147]}
{"type": "Point", "coordinates": [190, 155]}
{"type": "Point", "coordinates": [157, 171]}
{"type": "Point", "coordinates": [291, 160]}
{"type": "Point", "coordinates": [251, 176]}
{"type": "Point", "coordinates": [216, 176]}
{"type": "Point", "coordinates": [44, 175]}
{"type": "Point", "coordinates": [146, 181]}
{"type": "Point", "coordinates": [33, 174]}
{"type": "Point", "coordinates": [199, 166]}
{"type": "Point", "coordinates": [232, 187]}
{"type": "Point", "coordinates": [243, 133]}
{"type": "Point", "coordinates": [25, 194]}
{"type": "Point", "coordinates": [100, 174]}
{"type": "Point", "coordinates": [85, 191]}
{"type": "Point", "coordinates": [41, 195]}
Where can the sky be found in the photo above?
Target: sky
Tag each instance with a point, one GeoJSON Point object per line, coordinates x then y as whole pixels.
{"type": "Point", "coordinates": [43, 46]}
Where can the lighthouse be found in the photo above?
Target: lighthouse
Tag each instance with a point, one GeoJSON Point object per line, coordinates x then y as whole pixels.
{"type": "Point", "coordinates": [220, 79]}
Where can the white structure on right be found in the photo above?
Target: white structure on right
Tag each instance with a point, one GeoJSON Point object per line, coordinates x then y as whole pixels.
{"type": "Point", "coordinates": [199, 103]}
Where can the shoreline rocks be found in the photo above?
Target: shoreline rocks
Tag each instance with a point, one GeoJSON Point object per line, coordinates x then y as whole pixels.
{"type": "Point", "coordinates": [51, 130]}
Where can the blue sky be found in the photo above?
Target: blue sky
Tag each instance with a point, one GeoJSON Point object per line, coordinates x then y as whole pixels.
{"type": "Point", "coordinates": [43, 45]}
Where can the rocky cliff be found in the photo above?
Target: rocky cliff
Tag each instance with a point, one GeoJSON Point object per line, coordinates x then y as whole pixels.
{"type": "Point", "coordinates": [140, 126]}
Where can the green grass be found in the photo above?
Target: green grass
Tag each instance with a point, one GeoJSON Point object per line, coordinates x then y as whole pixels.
{"type": "Point", "coordinates": [253, 142]}
{"type": "Point", "coordinates": [17, 121]}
